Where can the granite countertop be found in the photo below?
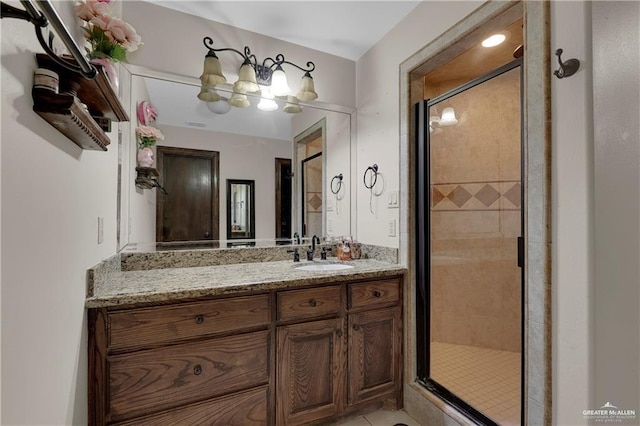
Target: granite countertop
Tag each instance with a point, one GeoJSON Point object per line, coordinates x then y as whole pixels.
{"type": "Point", "coordinates": [175, 284]}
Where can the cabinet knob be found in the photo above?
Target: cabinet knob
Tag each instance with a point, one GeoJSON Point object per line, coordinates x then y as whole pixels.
{"type": "Point", "coordinates": [339, 333]}
{"type": "Point", "coordinates": [197, 370]}
{"type": "Point", "coordinates": [199, 319]}
{"type": "Point", "coordinates": [206, 235]}
{"type": "Point", "coordinates": [313, 303]}
{"type": "Point", "coordinates": [356, 327]}
{"type": "Point", "coordinates": [376, 293]}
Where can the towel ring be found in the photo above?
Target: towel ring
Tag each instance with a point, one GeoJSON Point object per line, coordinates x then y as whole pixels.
{"type": "Point", "coordinates": [374, 176]}
{"type": "Point", "coordinates": [339, 179]}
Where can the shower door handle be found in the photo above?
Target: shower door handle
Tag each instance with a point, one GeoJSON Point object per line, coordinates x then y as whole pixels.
{"type": "Point", "coordinates": [521, 252]}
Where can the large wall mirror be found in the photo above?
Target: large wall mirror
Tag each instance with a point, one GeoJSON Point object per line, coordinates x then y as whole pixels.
{"type": "Point", "coordinates": [270, 148]}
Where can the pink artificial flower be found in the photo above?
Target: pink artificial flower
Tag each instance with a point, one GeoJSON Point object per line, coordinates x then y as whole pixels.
{"type": "Point", "coordinates": [133, 40]}
{"type": "Point", "coordinates": [149, 132]}
{"type": "Point", "coordinates": [90, 9]}
{"type": "Point", "coordinates": [117, 30]}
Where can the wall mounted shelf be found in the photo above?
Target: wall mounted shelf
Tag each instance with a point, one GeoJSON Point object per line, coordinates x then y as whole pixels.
{"type": "Point", "coordinates": [67, 113]}
{"type": "Point", "coordinates": [147, 177]}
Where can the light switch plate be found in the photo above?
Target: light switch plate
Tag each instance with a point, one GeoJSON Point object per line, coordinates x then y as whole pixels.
{"type": "Point", "coordinates": [391, 224]}
{"type": "Point", "coordinates": [392, 200]}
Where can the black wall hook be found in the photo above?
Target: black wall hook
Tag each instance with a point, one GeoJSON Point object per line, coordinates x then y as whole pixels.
{"type": "Point", "coordinates": [567, 68]}
{"type": "Point", "coordinates": [339, 179]}
{"type": "Point", "coordinates": [373, 174]}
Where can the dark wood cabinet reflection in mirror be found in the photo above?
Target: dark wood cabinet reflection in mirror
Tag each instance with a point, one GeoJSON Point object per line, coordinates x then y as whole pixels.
{"type": "Point", "coordinates": [241, 222]}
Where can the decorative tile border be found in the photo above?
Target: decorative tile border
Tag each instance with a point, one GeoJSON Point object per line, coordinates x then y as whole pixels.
{"type": "Point", "coordinates": [476, 196]}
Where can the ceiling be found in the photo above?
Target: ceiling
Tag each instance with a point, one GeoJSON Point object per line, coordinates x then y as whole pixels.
{"type": "Point", "coordinates": [342, 28]}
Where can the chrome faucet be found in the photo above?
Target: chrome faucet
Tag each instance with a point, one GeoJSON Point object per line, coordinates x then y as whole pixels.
{"type": "Point", "coordinates": [312, 249]}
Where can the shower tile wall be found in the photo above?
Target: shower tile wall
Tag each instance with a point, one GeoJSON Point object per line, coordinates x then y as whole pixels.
{"type": "Point", "coordinates": [475, 219]}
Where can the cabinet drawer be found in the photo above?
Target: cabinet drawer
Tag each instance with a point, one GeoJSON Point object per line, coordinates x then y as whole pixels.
{"type": "Point", "coordinates": [158, 379]}
{"type": "Point", "coordinates": [139, 327]}
{"type": "Point", "coordinates": [308, 303]}
{"type": "Point", "coordinates": [240, 409]}
{"type": "Point", "coordinates": [372, 293]}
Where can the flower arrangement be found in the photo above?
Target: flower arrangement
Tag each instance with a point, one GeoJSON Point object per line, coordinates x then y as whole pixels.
{"type": "Point", "coordinates": [109, 37]}
{"type": "Point", "coordinates": [148, 136]}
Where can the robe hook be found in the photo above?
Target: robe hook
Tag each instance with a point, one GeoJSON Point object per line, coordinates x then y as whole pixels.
{"type": "Point", "coordinates": [567, 68]}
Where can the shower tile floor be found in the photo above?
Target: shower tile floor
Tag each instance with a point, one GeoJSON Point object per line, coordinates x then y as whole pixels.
{"type": "Point", "coordinates": [487, 379]}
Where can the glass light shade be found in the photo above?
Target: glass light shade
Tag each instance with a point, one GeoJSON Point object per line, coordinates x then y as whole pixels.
{"type": "Point", "coordinates": [247, 79]}
{"type": "Point", "coordinates": [239, 100]}
{"type": "Point", "coordinates": [448, 117]}
{"type": "Point", "coordinates": [212, 73]}
{"type": "Point", "coordinates": [494, 40]}
{"type": "Point", "coordinates": [267, 103]}
{"type": "Point", "coordinates": [279, 85]}
{"type": "Point", "coordinates": [292, 106]}
{"type": "Point", "coordinates": [208, 93]}
{"type": "Point", "coordinates": [220, 107]}
{"type": "Point", "coordinates": [307, 90]}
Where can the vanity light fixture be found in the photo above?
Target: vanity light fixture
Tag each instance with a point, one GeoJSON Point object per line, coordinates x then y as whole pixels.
{"type": "Point", "coordinates": [219, 107]}
{"type": "Point", "coordinates": [448, 117]}
{"type": "Point", "coordinates": [268, 77]}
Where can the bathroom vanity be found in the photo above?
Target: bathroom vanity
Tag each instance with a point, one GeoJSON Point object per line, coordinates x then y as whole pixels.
{"type": "Point", "coordinates": [244, 344]}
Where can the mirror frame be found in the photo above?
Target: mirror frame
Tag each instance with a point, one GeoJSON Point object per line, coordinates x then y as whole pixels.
{"type": "Point", "coordinates": [252, 208]}
{"type": "Point", "coordinates": [127, 72]}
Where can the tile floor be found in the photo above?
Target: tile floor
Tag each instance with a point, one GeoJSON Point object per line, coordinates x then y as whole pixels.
{"type": "Point", "coordinates": [381, 418]}
{"type": "Point", "coordinates": [487, 379]}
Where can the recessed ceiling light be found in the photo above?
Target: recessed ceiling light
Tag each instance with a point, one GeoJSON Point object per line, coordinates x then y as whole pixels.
{"type": "Point", "coordinates": [494, 40]}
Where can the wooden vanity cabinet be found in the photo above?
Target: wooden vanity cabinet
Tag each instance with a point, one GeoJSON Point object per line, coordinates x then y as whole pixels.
{"type": "Point", "coordinates": [208, 361]}
{"type": "Point", "coordinates": [288, 357]}
{"type": "Point", "coordinates": [375, 340]}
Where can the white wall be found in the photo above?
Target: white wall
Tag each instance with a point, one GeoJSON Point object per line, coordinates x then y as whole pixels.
{"type": "Point", "coordinates": [334, 77]}
{"type": "Point", "coordinates": [142, 202]}
{"type": "Point", "coordinates": [241, 157]}
{"type": "Point", "coordinates": [616, 30]}
{"type": "Point", "coordinates": [572, 217]}
{"type": "Point", "coordinates": [52, 194]}
{"type": "Point", "coordinates": [377, 102]}
{"type": "Point", "coordinates": [336, 159]}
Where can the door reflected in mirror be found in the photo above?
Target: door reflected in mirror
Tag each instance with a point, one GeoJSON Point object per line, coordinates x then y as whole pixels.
{"type": "Point", "coordinates": [241, 209]}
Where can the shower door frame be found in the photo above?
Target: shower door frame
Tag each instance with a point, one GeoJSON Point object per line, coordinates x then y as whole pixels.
{"type": "Point", "coordinates": [423, 246]}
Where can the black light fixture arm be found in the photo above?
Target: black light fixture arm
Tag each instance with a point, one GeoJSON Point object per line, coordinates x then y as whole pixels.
{"type": "Point", "coordinates": [247, 55]}
{"type": "Point", "coordinates": [263, 71]}
{"type": "Point", "coordinates": [40, 20]}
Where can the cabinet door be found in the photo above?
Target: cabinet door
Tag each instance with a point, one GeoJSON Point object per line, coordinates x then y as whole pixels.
{"type": "Point", "coordinates": [375, 354]}
{"type": "Point", "coordinates": [310, 371]}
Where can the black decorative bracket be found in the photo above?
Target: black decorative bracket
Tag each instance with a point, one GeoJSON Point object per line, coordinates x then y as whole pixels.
{"type": "Point", "coordinates": [147, 178]}
{"type": "Point", "coordinates": [263, 71]}
{"type": "Point", "coordinates": [567, 68]}
{"type": "Point", "coordinates": [40, 20]}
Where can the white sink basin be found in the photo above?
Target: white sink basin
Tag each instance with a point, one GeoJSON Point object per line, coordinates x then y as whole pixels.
{"type": "Point", "coordinates": [324, 267]}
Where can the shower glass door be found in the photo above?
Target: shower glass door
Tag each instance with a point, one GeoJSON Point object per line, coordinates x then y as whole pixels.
{"type": "Point", "coordinates": [470, 224]}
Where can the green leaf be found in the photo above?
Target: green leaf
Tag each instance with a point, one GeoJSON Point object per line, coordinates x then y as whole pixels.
{"type": "Point", "coordinates": [118, 52]}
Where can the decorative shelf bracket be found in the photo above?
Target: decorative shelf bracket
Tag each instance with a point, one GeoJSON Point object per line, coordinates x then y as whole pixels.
{"type": "Point", "coordinates": [147, 178]}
